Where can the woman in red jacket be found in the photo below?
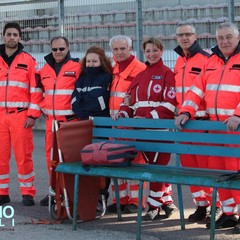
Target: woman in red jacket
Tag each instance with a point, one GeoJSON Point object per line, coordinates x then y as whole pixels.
{"type": "Point", "coordinates": [152, 95]}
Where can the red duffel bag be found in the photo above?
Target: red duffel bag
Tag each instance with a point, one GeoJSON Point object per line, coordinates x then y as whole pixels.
{"type": "Point", "coordinates": [107, 153]}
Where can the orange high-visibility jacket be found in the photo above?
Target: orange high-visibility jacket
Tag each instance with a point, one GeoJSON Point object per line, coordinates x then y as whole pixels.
{"type": "Point", "coordinates": [186, 70]}
{"type": "Point", "coordinates": [219, 84]}
{"type": "Point", "coordinates": [18, 84]}
{"type": "Point", "coordinates": [121, 82]}
{"type": "Point", "coordinates": [58, 89]}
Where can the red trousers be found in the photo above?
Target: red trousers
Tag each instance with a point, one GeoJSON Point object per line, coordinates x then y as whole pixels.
{"type": "Point", "coordinates": [49, 139]}
{"type": "Point", "coordinates": [160, 193]}
{"type": "Point", "coordinates": [128, 189]}
{"type": "Point", "coordinates": [14, 135]}
{"type": "Point", "coordinates": [230, 199]}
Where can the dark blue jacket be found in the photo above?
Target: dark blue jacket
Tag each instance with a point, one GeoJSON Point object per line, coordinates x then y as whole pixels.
{"type": "Point", "coordinates": [91, 94]}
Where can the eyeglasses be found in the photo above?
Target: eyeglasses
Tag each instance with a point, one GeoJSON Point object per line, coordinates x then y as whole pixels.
{"type": "Point", "coordinates": [60, 49]}
{"type": "Point", "coordinates": [185, 34]}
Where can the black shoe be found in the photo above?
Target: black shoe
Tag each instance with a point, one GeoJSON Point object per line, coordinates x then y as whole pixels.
{"type": "Point", "coordinates": [169, 209]}
{"type": "Point", "coordinates": [152, 214]}
{"type": "Point", "coordinates": [113, 208]}
{"type": "Point", "coordinates": [27, 200]}
{"type": "Point", "coordinates": [236, 229]}
{"type": "Point", "coordinates": [217, 214]}
{"type": "Point", "coordinates": [131, 208]}
{"type": "Point", "coordinates": [45, 201]}
{"type": "Point", "coordinates": [225, 221]}
{"type": "Point", "coordinates": [4, 199]}
{"type": "Point", "coordinates": [199, 215]}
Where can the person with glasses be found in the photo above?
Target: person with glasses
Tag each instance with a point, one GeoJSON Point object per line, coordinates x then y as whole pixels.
{"type": "Point", "coordinates": [188, 66]}
{"type": "Point", "coordinates": [19, 109]}
{"type": "Point", "coordinates": [219, 85]}
{"type": "Point", "coordinates": [58, 77]}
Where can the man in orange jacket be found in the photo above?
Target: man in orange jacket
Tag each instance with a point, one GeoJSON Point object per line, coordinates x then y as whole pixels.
{"type": "Point", "coordinates": [219, 86]}
{"type": "Point", "coordinates": [19, 109]}
{"type": "Point", "coordinates": [58, 77]}
{"type": "Point", "coordinates": [126, 68]}
{"type": "Point", "coordinates": [188, 66]}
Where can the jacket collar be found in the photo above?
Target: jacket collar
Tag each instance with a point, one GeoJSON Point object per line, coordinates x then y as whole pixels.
{"type": "Point", "coordinates": [51, 61]}
{"type": "Point", "coordinates": [2, 48]}
{"type": "Point", "coordinates": [217, 52]}
{"type": "Point", "coordinates": [194, 49]}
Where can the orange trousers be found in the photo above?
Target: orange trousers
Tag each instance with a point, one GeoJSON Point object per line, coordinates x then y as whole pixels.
{"type": "Point", "coordinates": [14, 135]}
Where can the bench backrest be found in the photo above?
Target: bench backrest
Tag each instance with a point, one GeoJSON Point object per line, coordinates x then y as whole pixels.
{"type": "Point", "coordinates": [209, 137]}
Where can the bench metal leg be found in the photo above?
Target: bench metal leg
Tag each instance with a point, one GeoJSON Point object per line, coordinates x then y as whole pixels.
{"type": "Point", "coordinates": [213, 213]}
{"type": "Point", "coordinates": [115, 181]}
{"type": "Point", "coordinates": [139, 217]}
{"type": "Point", "coordinates": [181, 209]}
{"type": "Point", "coordinates": [75, 201]}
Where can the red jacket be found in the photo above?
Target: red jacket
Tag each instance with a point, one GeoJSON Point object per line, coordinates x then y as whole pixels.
{"type": "Point", "coordinates": [186, 70]}
{"type": "Point", "coordinates": [219, 85]}
{"type": "Point", "coordinates": [152, 93]}
{"type": "Point", "coordinates": [58, 89]}
{"type": "Point", "coordinates": [18, 84]}
{"type": "Point", "coordinates": [121, 82]}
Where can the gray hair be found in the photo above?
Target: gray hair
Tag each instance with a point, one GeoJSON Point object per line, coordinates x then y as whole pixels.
{"type": "Point", "coordinates": [228, 25]}
{"type": "Point", "coordinates": [121, 38]}
{"type": "Point", "coordinates": [183, 24]}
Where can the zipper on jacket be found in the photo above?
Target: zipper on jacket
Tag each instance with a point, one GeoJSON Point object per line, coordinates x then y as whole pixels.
{"type": "Point", "coordinates": [215, 108]}
{"type": "Point", "coordinates": [53, 97]}
{"type": "Point", "coordinates": [183, 75]}
{"type": "Point", "coordinates": [6, 90]}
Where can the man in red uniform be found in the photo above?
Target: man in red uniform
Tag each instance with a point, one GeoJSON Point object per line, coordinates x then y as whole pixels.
{"type": "Point", "coordinates": [19, 99]}
{"type": "Point", "coordinates": [58, 77]}
{"type": "Point", "coordinates": [188, 66]}
{"type": "Point", "coordinates": [126, 68]}
{"type": "Point", "coordinates": [219, 85]}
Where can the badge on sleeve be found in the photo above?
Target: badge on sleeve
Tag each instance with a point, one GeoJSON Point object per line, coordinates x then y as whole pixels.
{"type": "Point", "coordinates": [171, 93]}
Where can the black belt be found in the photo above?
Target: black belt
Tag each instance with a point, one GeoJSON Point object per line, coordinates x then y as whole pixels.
{"type": "Point", "coordinates": [18, 110]}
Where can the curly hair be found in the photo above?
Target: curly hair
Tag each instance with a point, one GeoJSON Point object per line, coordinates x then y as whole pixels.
{"type": "Point", "coordinates": [104, 59]}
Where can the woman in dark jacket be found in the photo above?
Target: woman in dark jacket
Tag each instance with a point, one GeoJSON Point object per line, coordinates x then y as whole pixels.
{"type": "Point", "coordinates": [92, 89]}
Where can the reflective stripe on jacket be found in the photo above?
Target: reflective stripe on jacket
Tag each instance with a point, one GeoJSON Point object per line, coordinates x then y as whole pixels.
{"type": "Point", "coordinates": [121, 82]}
{"type": "Point", "coordinates": [58, 89]}
{"type": "Point", "coordinates": [219, 85]}
{"type": "Point", "coordinates": [152, 93]}
{"type": "Point", "coordinates": [186, 71]}
{"type": "Point", "coordinates": [18, 85]}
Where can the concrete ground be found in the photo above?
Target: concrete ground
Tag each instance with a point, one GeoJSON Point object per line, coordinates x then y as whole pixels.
{"type": "Point", "coordinates": [27, 220]}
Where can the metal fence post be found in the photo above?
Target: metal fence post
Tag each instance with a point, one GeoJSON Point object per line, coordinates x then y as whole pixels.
{"type": "Point", "coordinates": [139, 30]}
{"type": "Point", "coordinates": [61, 17]}
{"type": "Point", "coordinates": [231, 11]}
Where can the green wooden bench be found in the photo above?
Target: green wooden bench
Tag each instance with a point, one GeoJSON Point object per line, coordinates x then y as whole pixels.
{"type": "Point", "coordinates": [143, 133]}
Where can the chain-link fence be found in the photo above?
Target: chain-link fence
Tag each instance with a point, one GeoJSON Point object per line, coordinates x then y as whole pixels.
{"type": "Point", "coordinates": [94, 22]}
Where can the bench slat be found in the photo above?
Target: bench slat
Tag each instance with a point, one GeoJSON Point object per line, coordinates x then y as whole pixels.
{"type": "Point", "coordinates": [158, 173]}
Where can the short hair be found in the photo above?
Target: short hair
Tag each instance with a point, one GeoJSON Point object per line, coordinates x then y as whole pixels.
{"type": "Point", "coordinates": [120, 38]}
{"type": "Point", "coordinates": [12, 25]}
{"type": "Point", "coordinates": [228, 25]}
{"type": "Point", "coordinates": [184, 23]}
{"type": "Point", "coordinates": [104, 59]}
{"type": "Point", "coordinates": [154, 40]}
{"type": "Point", "coordinates": [60, 37]}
